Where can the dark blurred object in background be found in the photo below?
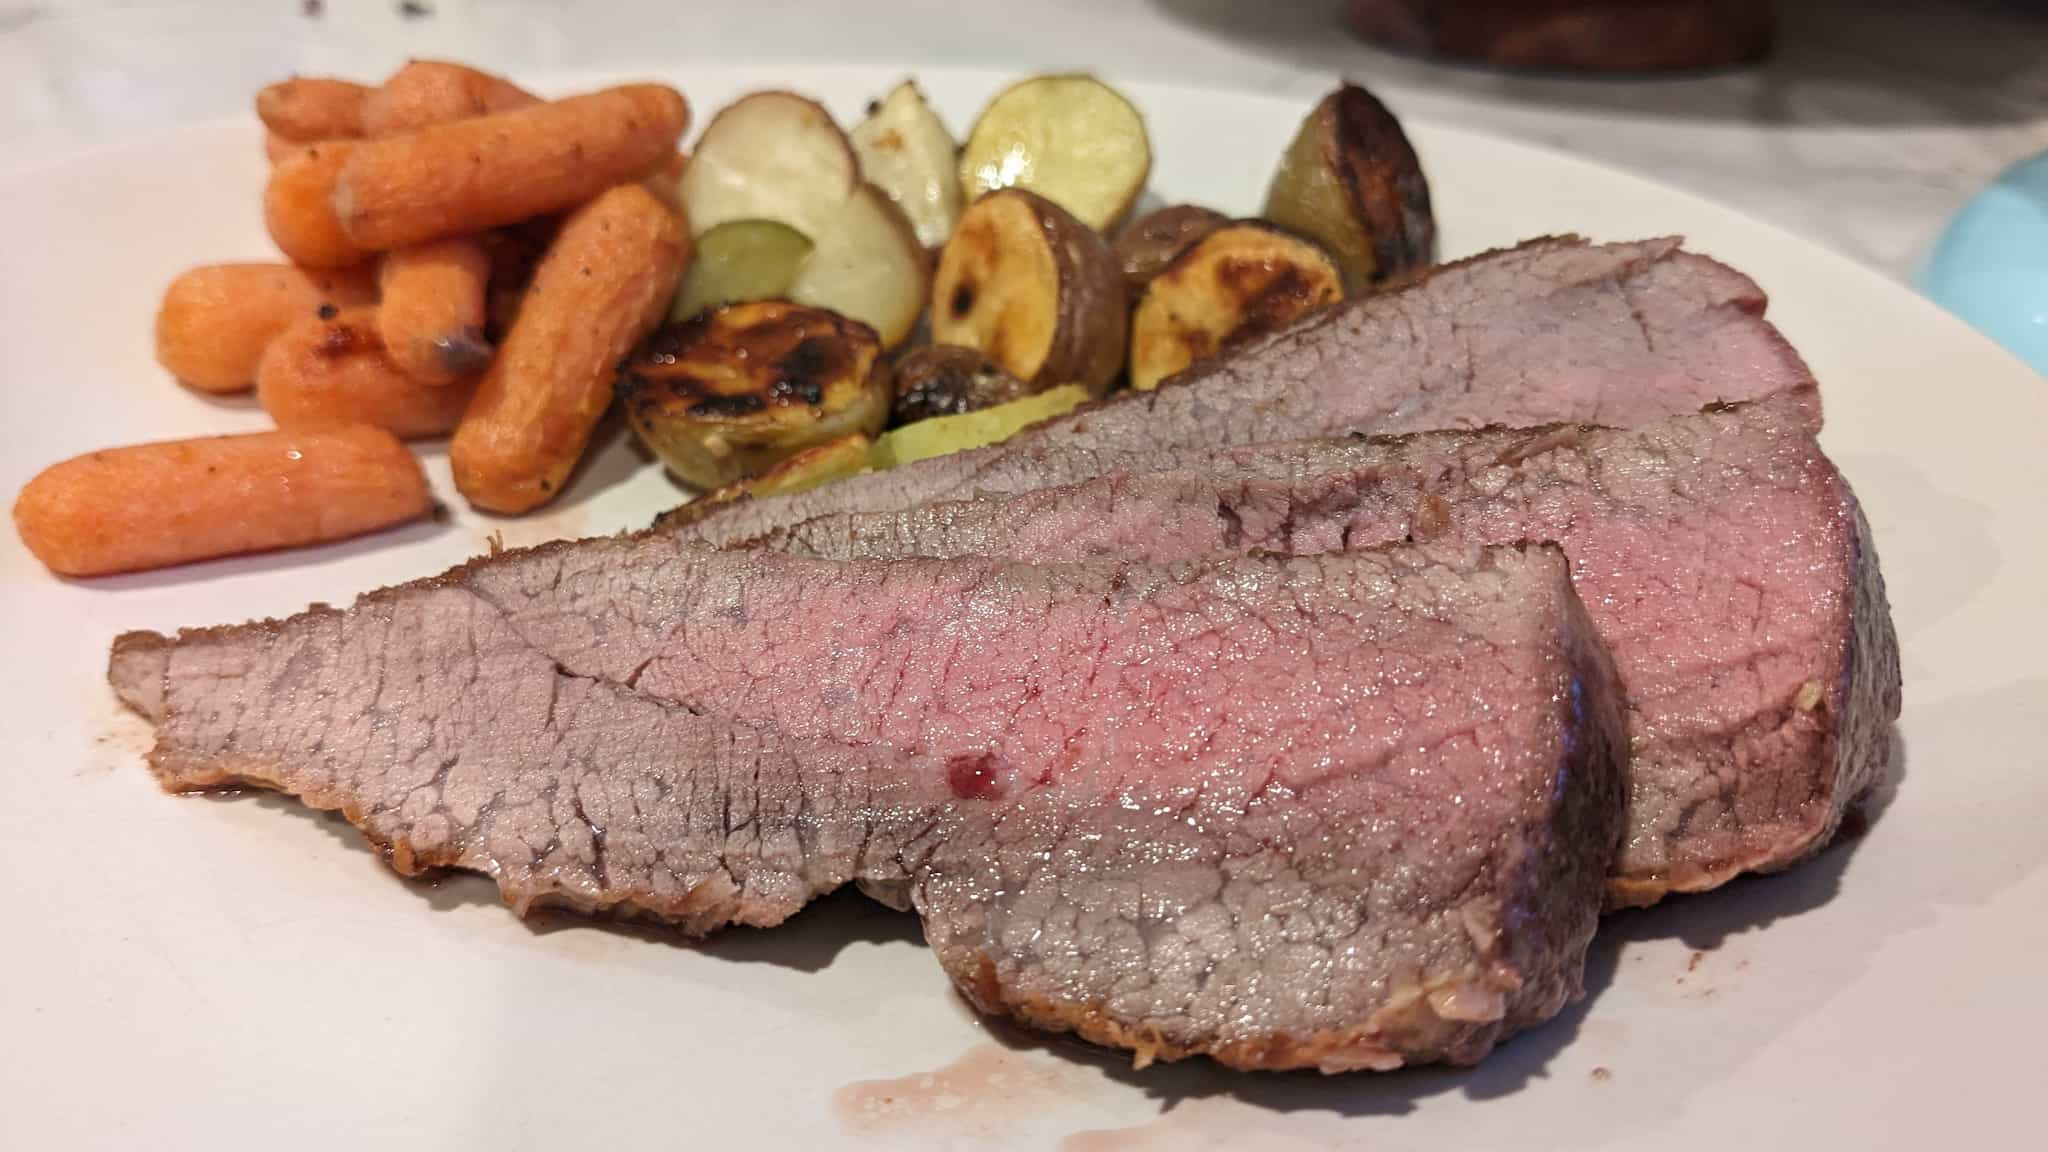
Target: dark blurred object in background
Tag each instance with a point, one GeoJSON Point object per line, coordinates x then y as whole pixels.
{"type": "Point", "coordinates": [1574, 35]}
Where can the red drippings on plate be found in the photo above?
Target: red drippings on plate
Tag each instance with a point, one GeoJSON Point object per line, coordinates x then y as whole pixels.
{"type": "Point", "coordinates": [973, 777]}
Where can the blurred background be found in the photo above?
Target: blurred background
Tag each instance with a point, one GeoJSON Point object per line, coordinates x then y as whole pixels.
{"type": "Point", "coordinates": [1864, 124]}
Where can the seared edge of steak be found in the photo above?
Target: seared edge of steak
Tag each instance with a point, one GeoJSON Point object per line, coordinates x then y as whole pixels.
{"type": "Point", "coordinates": [1311, 929]}
{"type": "Point", "coordinates": [1552, 330]}
{"type": "Point", "coordinates": [452, 743]}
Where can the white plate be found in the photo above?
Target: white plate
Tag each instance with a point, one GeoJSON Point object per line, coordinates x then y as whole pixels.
{"type": "Point", "coordinates": [182, 972]}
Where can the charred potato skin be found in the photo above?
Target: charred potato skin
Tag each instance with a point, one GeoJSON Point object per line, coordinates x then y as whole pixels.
{"type": "Point", "coordinates": [946, 380]}
{"type": "Point", "coordinates": [1146, 245]}
{"type": "Point", "coordinates": [1267, 295]}
{"type": "Point", "coordinates": [730, 393]}
{"type": "Point", "coordinates": [1381, 225]}
{"type": "Point", "coordinates": [1093, 309]}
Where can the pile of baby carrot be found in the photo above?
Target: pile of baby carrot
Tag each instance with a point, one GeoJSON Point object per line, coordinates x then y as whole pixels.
{"type": "Point", "coordinates": [464, 258]}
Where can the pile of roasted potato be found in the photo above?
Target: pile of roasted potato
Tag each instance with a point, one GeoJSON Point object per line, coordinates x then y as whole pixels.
{"type": "Point", "coordinates": [999, 279]}
{"type": "Point", "coordinates": [790, 304]}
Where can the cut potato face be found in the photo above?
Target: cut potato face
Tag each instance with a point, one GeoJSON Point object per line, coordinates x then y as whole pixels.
{"type": "Point", "coordinates": [944, 435]}
{"type": "Point", "coordinates": [905, 150]}
{"type": "Point", "coordinates": [769, 156]}
{"type": "Point", "coordinates": [1034, 289]}
{"type": "Point", "coordinates": [946, 380]}
{"type": "Point", "coordinates": [729, 394]}
{"type": "Point", "coordinates": [1351, 182]}
{"type": "Point", "coordinates": [1239, 282]}
{"type": "Point", "coordinates": [868, 266]}
{"type": "Point", "coordinates": [1072, 139]}
{"type": "Point", "coordinates": [1145, 246]}
{"type": "Point", "coordinates": [741, 260]}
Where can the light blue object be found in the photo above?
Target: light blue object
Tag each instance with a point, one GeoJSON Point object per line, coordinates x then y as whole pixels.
{"type": "Point", "coordinates": [1991, 265]}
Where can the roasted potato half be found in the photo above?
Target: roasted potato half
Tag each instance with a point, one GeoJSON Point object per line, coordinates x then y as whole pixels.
{"type": "Point", "coordinates": [1035, 289]}
{"type": "Point", "coordinates": [905, 150]}
{"type": "Point", "coordinates": [769, 156]}
{"type": "Point", "coordinates": [1072, 139]}
{"type": "Point", "coordinates": [1351, 182]}
{"type": "Point", "coordinates": [727, 395]}
{"type": "Point", "coordinates": [1239, 282]}
{"type": "Point", "coordinates": [946, 380]}
{"type": "Point", "coordinates": [1145, 246]}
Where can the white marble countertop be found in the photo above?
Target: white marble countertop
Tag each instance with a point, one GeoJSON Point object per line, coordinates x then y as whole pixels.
{"type": "Point", "coordinates": [1877, 119]}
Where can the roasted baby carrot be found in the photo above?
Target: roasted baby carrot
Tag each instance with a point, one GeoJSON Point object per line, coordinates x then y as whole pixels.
{"type": "Point", "coordinates": [431, 314]}
{"type": "Point", "coordinates": [276, 148]}
{"type": "Point", "coordinates": [216, 321]}
{"type": "Point", "coordinates": [427, 92]}
{"type": "Point", "coordinates": [298, 207]}
{"type": "Point", "coordinates": [327, 371]}
{"type": "Point", "coordinates": [604, 283]}
{"type": "Point", "coordinates": [472, 175]}
{"type": "Point", "coordinates": [172, 502]}
{"type": "Point", "coordinates": [308, 108]}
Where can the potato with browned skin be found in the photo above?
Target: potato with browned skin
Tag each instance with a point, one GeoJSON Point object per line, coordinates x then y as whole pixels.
{"type": "Point", "coordinates": [1146, 245]}
{"type": "Point", "coordinates": [433, 309]}
{"type": "Point", "coordinates": [1351, 182]}
{"type": "Point", "coordinates": [298, 207]}
{"type": "Point", "coordinates": [946, 380]}
{"type": "Point", "coordinates": [728, 394]}
{"type": "Point", "coordinates": [309, 108]}
{"type": "Point", "coordinates": [215, 321]}
{"type": "Point", "coordinates": [1035, 289]}
{"type": "Point", "coordinates": [603, 285]}
{"type": "Point", "coordinates": [471, 175]}
{"type": "Point", "coordinates": [1239, 282]}
{"type": "Point", "coordinates": [336, 370]}
{"type": "Point", "coordinates": [426, 92]}
{"type": "Point", "coordinates": [153, 505]}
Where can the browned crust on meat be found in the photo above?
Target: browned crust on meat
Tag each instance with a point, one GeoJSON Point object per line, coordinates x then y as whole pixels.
{"type": "Point", "coordinates": [1408, 1030]}
{"type": "Point", "coordinates": [1856, 712]}
{"type": "Point", "coordinates": [699, 911]}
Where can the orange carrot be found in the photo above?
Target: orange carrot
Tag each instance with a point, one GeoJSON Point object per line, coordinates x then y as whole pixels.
{"type": "Point", "coordinates": [307, 108]}
{"type": "Point", "coordinates": [667, 181]}
{"type": "Point", "coordinates": [324, 372]}
{"type": "Point", "coordinates": [476, 174]}
{"type": "Point", "coordinates": [298, 207]}
{"type": "Point", "coordinates": [426, 92]}
{"type": "Point", "coordinates": [276, 148]}
{"type": "Point", "coordinates": [432, 312]}
{"type": "Point", "coordinates": [216, 320]}
{"type": "Point", "coordinates": [153, 505]}
{"type": "Point", "coordinates": [604, 284]}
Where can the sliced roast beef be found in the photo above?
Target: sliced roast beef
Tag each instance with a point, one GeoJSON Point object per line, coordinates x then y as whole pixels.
{"type": "Point", "coordinates": [1721, 555]}
{"type": "Point", "coordinates": [1552, 331]}
{"type": "Point", "coordinates": [1339, 811]}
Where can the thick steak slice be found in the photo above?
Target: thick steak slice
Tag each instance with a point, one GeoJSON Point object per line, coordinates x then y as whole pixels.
{"type": "Point", "coordinates": [1347, 811]}
{"type": "Point", "coordinates": [1553, 331]}
{"type": "Point", "coordinates": [1721, 555]}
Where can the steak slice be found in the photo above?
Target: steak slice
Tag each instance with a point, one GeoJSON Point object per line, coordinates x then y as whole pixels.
{"type": "Point", "coordinates": [1347, 811]}
{"type": "Point", "coordinates": [1722, 557]}
{"type": "Point", "coordinates": [1552, 331]}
